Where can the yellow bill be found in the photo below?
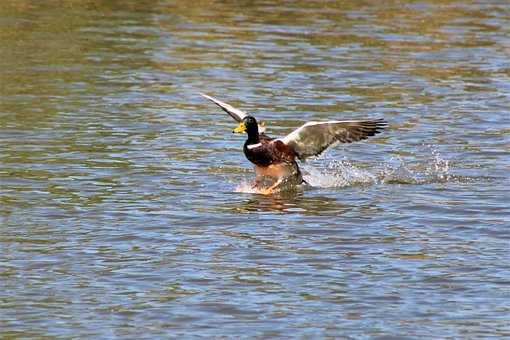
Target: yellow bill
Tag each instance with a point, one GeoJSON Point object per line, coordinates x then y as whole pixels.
{"type": "Point", "coordinates": [240, 128]}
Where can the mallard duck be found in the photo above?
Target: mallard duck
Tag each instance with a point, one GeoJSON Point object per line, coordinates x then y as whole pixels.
{"type": "Point", "coordinates": [276, 157]}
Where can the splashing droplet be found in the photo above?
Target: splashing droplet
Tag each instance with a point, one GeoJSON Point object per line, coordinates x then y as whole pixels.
{"type": "Point", "coordinates": [337, 174]}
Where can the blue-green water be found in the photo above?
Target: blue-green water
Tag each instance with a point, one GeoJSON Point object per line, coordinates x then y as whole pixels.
{"type": "Point", "coordinates": [122, 203]}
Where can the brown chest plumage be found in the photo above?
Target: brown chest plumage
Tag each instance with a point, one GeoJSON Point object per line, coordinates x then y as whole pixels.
{"type": "Point", "coordinates": [268, 151]}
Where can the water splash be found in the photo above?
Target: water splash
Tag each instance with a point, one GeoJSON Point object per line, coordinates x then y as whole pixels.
{"type": "Point", "coordinates": [337, 174]}
{"type": "Point", "coordinates": [247, 188]}
{"type": "Point", "coordinates": [432, 168]}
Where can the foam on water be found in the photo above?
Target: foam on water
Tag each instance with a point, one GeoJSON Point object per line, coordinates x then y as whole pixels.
{"type": "Point", "coordinates": [247, 188]}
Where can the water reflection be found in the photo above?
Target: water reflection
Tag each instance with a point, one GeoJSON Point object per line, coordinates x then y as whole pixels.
{"type": "Point", "coordinates": [292, 202]}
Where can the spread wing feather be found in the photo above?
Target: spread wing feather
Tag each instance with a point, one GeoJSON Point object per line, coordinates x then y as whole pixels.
{"type": "Point", "coordinates": [313, 138]}
{"type": "Point", "coordinates": [237, 114]}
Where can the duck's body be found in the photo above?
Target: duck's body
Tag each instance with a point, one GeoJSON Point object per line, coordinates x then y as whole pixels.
{"type": "Point", "coordinates": [272, 158]}
{"type": "Point", "coordinates": [276, 158]}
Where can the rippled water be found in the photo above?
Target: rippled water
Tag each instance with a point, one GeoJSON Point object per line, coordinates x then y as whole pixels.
{"type": "Point", "coordinates": [120, 208]}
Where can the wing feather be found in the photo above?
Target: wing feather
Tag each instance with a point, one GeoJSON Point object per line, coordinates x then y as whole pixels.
{"type": "Point", "coordinates": [313, 138]}
{"type": "Point", "coordinates": [237, 114]}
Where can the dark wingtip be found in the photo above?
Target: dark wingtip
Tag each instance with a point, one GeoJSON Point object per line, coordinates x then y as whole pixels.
{"type": "Point", "coordinates": [374, 126]}
{"type": "Point", "coordinates": [380, 125]}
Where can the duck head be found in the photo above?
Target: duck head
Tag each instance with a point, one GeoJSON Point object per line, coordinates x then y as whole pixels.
{"type": "Point", "coordinates": [249, 125]}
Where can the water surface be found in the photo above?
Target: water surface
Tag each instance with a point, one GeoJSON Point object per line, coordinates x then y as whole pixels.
{"type": "Point", "coordinates": [120, 210]}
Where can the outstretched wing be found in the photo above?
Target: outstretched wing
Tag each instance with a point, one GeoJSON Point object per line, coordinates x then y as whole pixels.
{"type": "Point", "coordinates": [313, 138]}
{"type": "Point", "coordinates": [237, 114]}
